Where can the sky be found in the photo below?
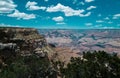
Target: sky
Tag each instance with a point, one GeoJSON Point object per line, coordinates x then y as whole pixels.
{"type": "Point", "coordinates": [68, 14]}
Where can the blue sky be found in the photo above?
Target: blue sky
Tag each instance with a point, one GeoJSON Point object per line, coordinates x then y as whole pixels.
{"type": "Point", "coordinates": [70, 14]}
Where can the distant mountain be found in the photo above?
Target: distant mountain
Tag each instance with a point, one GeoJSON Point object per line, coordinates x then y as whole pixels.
{"type": "Point", "coordinates": [83, 39]}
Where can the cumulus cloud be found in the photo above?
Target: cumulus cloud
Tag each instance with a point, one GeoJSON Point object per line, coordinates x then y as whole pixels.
{"type": "Point", "coordinates": [33, 6]}
{"type": "Point", "coordinates": [58, 19]}
{"type": "Point", "coordinates": [99, 21]}
{"type": "Point", "coordinates": [91, 7]}
{"type": "Point", "coordinates": [116, 16]}
{"type": "Point", "coordinates": [22, 15]}
{"type": "Point", "coordinates": [68, 11]}
{"type": "Point", "coordinates": [7, 6]}
{"type": "Point", "coordinates": [89, 1]}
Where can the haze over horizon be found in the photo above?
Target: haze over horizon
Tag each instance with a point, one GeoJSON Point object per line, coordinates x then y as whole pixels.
{"type": "Point", "coordinates": [68, 14]}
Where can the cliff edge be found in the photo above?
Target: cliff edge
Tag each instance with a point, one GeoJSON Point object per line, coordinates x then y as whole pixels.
{"type": "Point", "coordinates": [25, 41]}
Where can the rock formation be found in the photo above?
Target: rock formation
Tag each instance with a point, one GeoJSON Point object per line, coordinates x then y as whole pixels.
{"type": "Point", "coordinates": [25, 42]}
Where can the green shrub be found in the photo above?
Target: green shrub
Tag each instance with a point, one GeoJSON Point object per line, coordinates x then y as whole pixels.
{"type": "Point", "coordinates": [93, 65]}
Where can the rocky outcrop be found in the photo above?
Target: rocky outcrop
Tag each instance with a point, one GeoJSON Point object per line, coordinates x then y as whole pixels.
{"type": "Point", "coordinates": [26, 41]}
{"type": "Point", "coordinates": [8, 46]}
{"type": "Point", "coordinates": [25, 53]}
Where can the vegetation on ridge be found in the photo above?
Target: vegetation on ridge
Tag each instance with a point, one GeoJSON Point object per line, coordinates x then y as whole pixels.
{"type": "Point", "coordinates": [90, 65]}
{"type": "Point", "coordinates": [93, 65]}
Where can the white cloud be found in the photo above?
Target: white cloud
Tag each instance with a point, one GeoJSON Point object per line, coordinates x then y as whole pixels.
{"type": "Point", "coordinates": [74, 1]}
{"type": "Point", "coordinates": [91, 7]}
{"type": "Point", "coordinates": [46, 0]}
{"type": "Point", "coordinates": [116, 16]}
{"type": "Point", "coordinates": [99, 21]}
{"type": "Point", "coordinates": [22, 15]}
{"type": "Point", "coordinates": [85, 15]}
{"type": "Point", "coordinates": [33, 6]}
{"type": "Point", "coordinates": [8, 25]}
{"type": "Point", "coordinates": [99, 25]}
{"type": "Point", "coordinates": [106, 18]}
{"type": "Point", "coordinates": [60, 23]}
{"type": "Point", "coordinates": [68, 11]}
{"type": "Point", "coordinates": [58, 19]}
{"type": "Point", "coordinates": [88, 24]}
{"type": "Point", "coordinates": [7, 6]}
{"type": "Point", "coordinates": [82, 3]}
{"type": "Point", "coordinates": [89, 1]}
